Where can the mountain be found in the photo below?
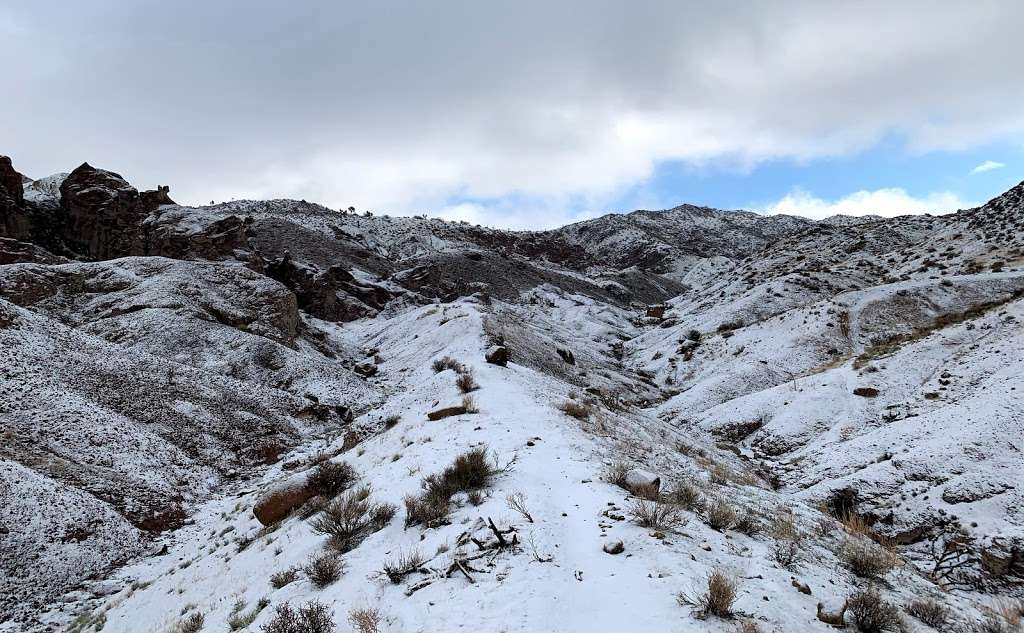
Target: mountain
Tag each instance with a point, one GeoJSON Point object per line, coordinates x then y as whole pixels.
{"type": "Point", "coordinates": [562, 430]}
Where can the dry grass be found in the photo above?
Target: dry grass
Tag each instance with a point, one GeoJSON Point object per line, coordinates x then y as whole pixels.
{"type": "Point", "coordinates": [931, 612]}
{"type": "Point", "coordinates": [578, 410]}
{"type": "Point", "coordinates": [365, 620]}
{"type": "Point", "coordinates": [282, 578]}
{"type": "Point", "coordinates": [866, 558]}
{"type": "Point", "coordinates": [404, 564]}
{"type": "Point", "coordinates": [686, 496]}
{"type": "Point", "coordinates": [720, 515]}
{"type": "Point", "coordinates": [719, 597]}
{"type": "Point", "coordinates": [747, 626]}
{"type": "Point", "coordinates": [331, 478]}
{"type": "Point", "coordinates": [1010, 611]}
{"type": "Point", "coordinates": [655, 514]}
{"type": "Point", "coordinates": [466, 382]}
{"type": "Point", "coordinates": [447, 362]}
{"type": "Point", "coordinates": [470, 472]}
{"type": "Point", "coordinates": [516, 502]}
{"type": "Point", "coordinates": [313, 617]}
{"type": "Point", "coordinates": [615, 474]}
{"type": "Point", "coordinates": [870, 614]}
{"type": "Point", "coordinates": [469, 404]}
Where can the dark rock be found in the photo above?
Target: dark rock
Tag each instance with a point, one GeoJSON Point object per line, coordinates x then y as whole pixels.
{"type": "Point", "coordinates": [103, 214]}
{"type": "Point", "coordinates": [614, 547]}
{"type": "Point", "coordinates": [366, 368]}
{"type": "Point", "coordinates": [497, 355]}
{"type": "Point", "coordinates": [566, 356]}
{"type": "Point", "coordinates": [445, 412]}
{"type": "Point", "coordinates": [154, 199]}
{"type": "Point", "coordinates": [656, 312]}
{"type": "Point", "coordinates": [866, 392]}
{"type": "Point", "coordinates": [281, 499]}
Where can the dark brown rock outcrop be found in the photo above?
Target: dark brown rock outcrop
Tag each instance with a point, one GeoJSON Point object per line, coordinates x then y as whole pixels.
{"type": "Point", "coordinates": [103, 214]}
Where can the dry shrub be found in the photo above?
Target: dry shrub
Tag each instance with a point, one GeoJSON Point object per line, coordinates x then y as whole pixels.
{"type": "Point", "coordinates": [686, 496]}
{"type": "Point", "coordinates": [720, 474]}
{"type": "Point", "coordinates": [655, 514]}
{"type": "Point", "coordinates": [578, 410]}
{"type": "Point", "coordinates": [381, 514]}
{"type": "Point", "coordinates": [466, 382]}
{"type": "Point", "coordinates": [719, 515]}
{"type": "Point", "coordinates": [855, 525]}
{"type": "Point", "coordinates": [991, 623]}
{"type": "Point", "coordinates": [329, 478]}
{"type": "Point", "coordinates": [616, 474]}
{"type": "Point", "coordinates": [1010, 611]}
{"type": "Point", "coordinates": [747, 626]}
{"type": "Point", "coordinates": [346, 519]}
{"type": "Point", "coordinates": [866, 558]}
{"type": "Point", "coordinates": [516, 502]}
{"type": "Point", "coordinates": [313, 617]}
{"type": "Point", "coordinates": [786, 549]}
{"type": "Point", "coordinates": [931, 612]}
{"type": "Point", "coordinates": [392, 421]}
{"type": "Point", "coordinates": [748, 523]}
{"type": "Point", "coordinates": [870, 614]}
{"type": "Point", "coordinates": [447, 362]}
{"type": "Point", "coordinates": [424, 511]}
{"type": "Point", "coordinates": [191, 624]}
{"type": "Point", "coordinates": [719, 597]}
{"type": "Point", "coordinates": [324, 569]}
{"type": "Point", "coordinates": [406, 563]}
{"type": "Point", "coordinates": [469, 404]}
{"type": "Point", "coordinates": [282, 578]}
{"type": "Point", "coordinates": [365, 620]}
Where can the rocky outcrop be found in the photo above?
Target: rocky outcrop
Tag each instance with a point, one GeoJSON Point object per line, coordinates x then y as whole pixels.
{"type": "Point", "coordinates": [103, 214]}
{"type": "Point", "coordinates": [281, 499]}
{"type": "Point", "coordinates": [12, 197]}
{"type": "Point", "coordinates": [497, 355]}
{"type": "Point", "coordinates": [332, 295]}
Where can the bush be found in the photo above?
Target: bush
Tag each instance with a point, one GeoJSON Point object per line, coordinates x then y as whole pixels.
{"type": "Point", "coordinates": [282, 578]}
{"type": "Point", "coordinates": [616, 474]}
{"type": "Point", "coordinates": [392, 421]}
{"type": "Point", "coordinates": [351, 517]}
{"type": "Point", "coordinates": [365, 620]}
{"type": "Point", "coordinates": [238, 620]}
{"type": "Point", "coordinates": [406, 563]}
{"type": "Point", "coordinates": [748, 523]}
{"type": "Point", "coordinates": [719, 597]}
{"type": "Point", "coordinates": [425, 511]}
{"type": "Point", "coordinates": [381, 515]}
{"type": "Point", "coordinates": [331, 478]}
{"type": "Point", "coordinates": [870, 614]}
{"type": "Point", "coordinates": [719, 515]}
{"type": "Point", "coordinates": [466, 382]}
{"type": "Point", "coordinates": [447, 362]}
{"type": "Point", "coordinates": [686, 496]}
{"type": "Point", "coordinates": [930, 611]}
{"type": "Point", "coordinates": [867, 559]}
{"type": "Point", "coordinates": [655, 515]}
{"type": "Point", "coordinates": [314, 617]}
{"type": "Point", "coordinates": [578, 410]}
{"type": "Point", "coordinates": [324, 569]}
{"type": "Point", "coordinates": [468, 473]}
{"type": "Point", "coordinates": [192, 624]}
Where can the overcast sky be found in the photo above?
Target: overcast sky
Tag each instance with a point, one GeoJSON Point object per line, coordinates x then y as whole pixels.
{"type": "Point", "coordinates": [525, 114]}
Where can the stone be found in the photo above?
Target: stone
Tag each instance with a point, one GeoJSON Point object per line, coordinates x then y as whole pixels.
{"type": "Point", "coordinates": [446, 412]}
{"type": "Point", "coordinates": [103, 214]}
{"type": "Point", "coordinates": [366, 368]}
{"type": "Point", "coordinates": [497, 355]}
{"type": "Point", "coordinates": [638, 478]}
{"type": "Point", "coordinates": [866, 392]}
{"type": "Point", "coordinates": [566, 356]}
{"type": "Point", "coordinates": [614, 547]}
{"type": "Point", "coordinates": [281, 499]}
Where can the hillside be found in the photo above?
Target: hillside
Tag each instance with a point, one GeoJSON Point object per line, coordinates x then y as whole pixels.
{"type": "Point", "coordinates": [829, 409]}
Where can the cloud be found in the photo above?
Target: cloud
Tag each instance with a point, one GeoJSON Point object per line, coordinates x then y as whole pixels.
{"type": "Point", "coordinates": [402, 106]}
{"type": "Point", "coordinates": [889, 202]}
{"type": "Point", "coordinates": [988, 165]}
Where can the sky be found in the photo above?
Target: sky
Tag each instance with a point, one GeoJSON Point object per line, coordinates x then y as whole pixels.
{"type": "Point", "coordinates": [526, 114]}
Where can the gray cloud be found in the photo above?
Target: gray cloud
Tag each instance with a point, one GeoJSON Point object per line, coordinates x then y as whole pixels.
{"type": "Point", "coordinates": [398, 106]}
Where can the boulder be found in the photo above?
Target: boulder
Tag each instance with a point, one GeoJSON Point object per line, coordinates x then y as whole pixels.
{"type": "Point", "coordinates": [282, 498]}
{"type": "Point", "coordinates": [638, 478]}
{"type": "Point", "coordinates": [566, 356]}
{"type": "Point", "coordinates": [655, 312]}
{"type": "Point", "coordinates": [866, 392]}
{"type": "Point", "coordinates": [497, 355]}
{"type": "Point", "coordinates": [366, 368]}
{"type": "Point", "coordinates": [614, 547]}
{"type": "Point", "coordinates": [446, 412]}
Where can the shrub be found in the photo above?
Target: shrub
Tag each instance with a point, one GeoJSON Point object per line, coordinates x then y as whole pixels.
{"type": "Point", "coordinates": [470, 471]}
{"type": "Point", "coordinates": [392, 421]}
{"type": "Point", "coordinates": [516, 501]}
{"type": "Point", "coordinates": [719, 515]}
{"type": "Point", "coordinates": [381, 515]}
{"type": "Point", "coordinates": [930, 611]}
{"type": "Point", "coordinates": [655, 515]}
{"type": "Point", "coordinates": [578, 410]}
{"type": "Point", "coordinates": [719, 597]}
{"type": "Point", "coordinates": [400, 567]}
{"type": "Point", "coordinates": [447, 362]}
{"type": "Point", "coordinates": [469, 404]}
{"type": "Point", "coordinates": [1010, 611]}
{"type": "Point", "coordinates": [867, 559]}
{"type": "Point", "coordinates": [331, 478]}
{"type": "Point", "coordinates": [344, 519]}
{"type": "Point", "coordinates": [238, 620]}
{"type": "Point", "coordinates": [365, 620]}
{"type": "Point", "coordinates": [313, 617]}
{"type": "Point", "coordinates": [282, 578]}
{"type": "Point", "coordinates": [429, 512]}
{"type": "Point", "coordinates": [870, 614]}
{"type": "Point", "coordinates": [748, 523]}
{"type": "Point", "coordinates": [616, 474]}
{"type": "Point", "coordinates": [191, 624]}
{"type": "Point", "coordinates": [466, 382]}
{"type": "Point", "coordinates": [324, 569]}
{"type": "Point", "coordinates": [686, 496]}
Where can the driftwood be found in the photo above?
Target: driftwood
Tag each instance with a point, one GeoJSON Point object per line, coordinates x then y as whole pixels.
{"type": "Point", "coordinates": [487, 550]}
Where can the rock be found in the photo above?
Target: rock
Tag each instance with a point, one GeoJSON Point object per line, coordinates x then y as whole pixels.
{"type": "Point", "coordinates": [497, 355]}
{"type": "Point", "coordinates": [614, 547]}
{"type": "Point", "coordinates": [445, 412]}
{"type": "Point", "coordinates": [153, 200]}
{"type": "Point", "coordinates": [865, 392]}
{"type": "Point", "coordinates": [637, 479]}
{"type": "Point", "coordinates": [656, 312]}
{"type": "Point", "coordinates": [332, 295]}
{"type": "Point", "coordinates": [366, 368]}
{"type": "Point", "coordinates": [11, 184]}
{"type": "Point", "coordinates": [282, 498]}
{"type": "Point", "coordinates": [567, 356]}
{"type": "Point", "coordinates": [103, 214]}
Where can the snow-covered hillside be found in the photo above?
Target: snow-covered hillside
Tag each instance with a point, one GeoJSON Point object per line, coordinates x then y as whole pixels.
{"type": "Point", "coordinates": [568, 430]}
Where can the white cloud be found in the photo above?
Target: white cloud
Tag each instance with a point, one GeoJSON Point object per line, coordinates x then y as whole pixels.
{"type": "Point", "coordinates": [988, 165]}
{"type": "Point", "coordinates": [402, 107]}
{"type": "Point", "coordinates": [889, 202]}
